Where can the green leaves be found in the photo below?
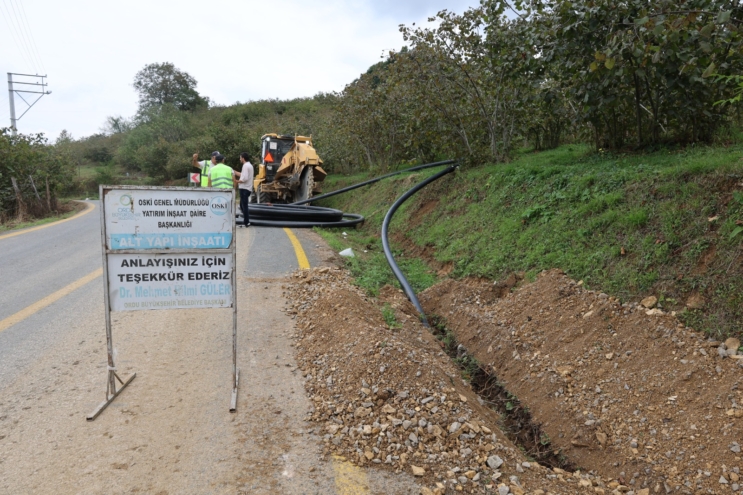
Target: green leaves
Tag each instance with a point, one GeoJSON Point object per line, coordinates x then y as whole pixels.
{"type": "Point", "coordinates": [706, 31]}
{"type": "Point", "coordinates": [709, 70]}
{"type": "Point", "coordinates": [164, 84]}
{"type": "Point", "coordinates": [723, 16]}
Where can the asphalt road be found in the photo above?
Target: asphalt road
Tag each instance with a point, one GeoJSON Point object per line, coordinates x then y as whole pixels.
{"type": "Point", "coordinates": [171, 430]}
{"type": "Point", "coordinates": [39, 263]}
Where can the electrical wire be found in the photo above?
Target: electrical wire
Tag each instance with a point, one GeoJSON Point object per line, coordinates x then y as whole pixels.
{"type": "Point", "coordinates": [22, 35]}
{"type": "Point", "coordinates": [11, 30]}
{"type": "Point", "coordinates": [31, 33]}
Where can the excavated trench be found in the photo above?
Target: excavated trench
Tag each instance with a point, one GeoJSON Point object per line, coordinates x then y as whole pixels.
{"type": "Point", "coordinates": [517, 422]}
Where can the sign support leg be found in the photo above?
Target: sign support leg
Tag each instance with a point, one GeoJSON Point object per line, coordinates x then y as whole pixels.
{"type": "Point", "coordinates": [111, 391]}
{"type": "Point", "coordinates": [235, 371]}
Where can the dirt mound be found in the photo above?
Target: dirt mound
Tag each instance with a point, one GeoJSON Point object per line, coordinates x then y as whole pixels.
{"type": "Point", "coordinates": [386, 395]}
{"type": "Point", "coordinates": [622, 390]}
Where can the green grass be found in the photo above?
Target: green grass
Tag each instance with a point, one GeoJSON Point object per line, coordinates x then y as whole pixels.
{"type": "Point", "coordinates": [389, 317]}
{"type": "Point", "coordinates": [575, 210]}
{"type": "Point", "coordinates": [369, 266]}
{"type": "Point", "coordinates": [35, 223]}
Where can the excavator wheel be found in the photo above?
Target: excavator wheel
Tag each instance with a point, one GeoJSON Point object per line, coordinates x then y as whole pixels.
{"type": "Point", "coordinates": [306, 185]}
{"type": "Point", "coordinates": [263, 197]}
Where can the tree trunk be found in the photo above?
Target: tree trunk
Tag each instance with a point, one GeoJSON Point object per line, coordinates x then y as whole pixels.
{"type": "Point", "coordinates": [637, 110]}
{"type": "Point", "coordinates": [36, 191]}
{"type": "Point", "coordinates": [19, 199]}
{"type": "Point", "coordinates": [48, 196]}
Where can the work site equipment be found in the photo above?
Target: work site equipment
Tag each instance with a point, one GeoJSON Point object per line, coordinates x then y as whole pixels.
{"type": "Point", "coordinates": [290, 170]}
{"type": "Point", "coordinates": [299, 215]}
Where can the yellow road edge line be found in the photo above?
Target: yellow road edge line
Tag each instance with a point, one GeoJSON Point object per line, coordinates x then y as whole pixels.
{"type": "Point", "coordinates": [349, 479]}
{"type": "Point", "coordinates": [302, 260]}
{"type": "Point", "coordinates": [51, 298]}
{"type": "Point", "coordinates": [88, 208]}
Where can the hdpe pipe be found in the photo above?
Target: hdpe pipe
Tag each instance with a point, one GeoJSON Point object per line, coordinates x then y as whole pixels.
{"type": "Point", "coordinates": [386, 243]}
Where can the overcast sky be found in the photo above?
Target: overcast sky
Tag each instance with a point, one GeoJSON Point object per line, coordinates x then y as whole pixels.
{"type": "Point", "coordinates": [91, 50]}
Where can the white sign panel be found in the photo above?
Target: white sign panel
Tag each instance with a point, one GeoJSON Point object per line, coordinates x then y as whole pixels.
{"type": "Point", "coordinates": [169, 281]}
{"type": "Point", "coordinates": [168, 219]}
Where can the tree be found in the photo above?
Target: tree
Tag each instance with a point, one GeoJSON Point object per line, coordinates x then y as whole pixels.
{"type": "Point", "coordinates": [115, 124]}
{"type": "Point", "coordinates": [164, 84]}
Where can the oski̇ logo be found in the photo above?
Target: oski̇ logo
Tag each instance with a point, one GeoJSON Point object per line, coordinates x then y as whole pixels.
{"type": "Point", "coordinates": [219, 205]}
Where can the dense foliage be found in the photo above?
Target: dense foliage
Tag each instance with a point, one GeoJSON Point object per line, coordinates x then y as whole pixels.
{"type": "Point", "coordinates": [164, 84]}
{"type": "Point", "coordinates": [630, 73]}
{"type": "Point", "coordinates": [32, 173]}
{"type": "Point", "coordinates": [477, 86]}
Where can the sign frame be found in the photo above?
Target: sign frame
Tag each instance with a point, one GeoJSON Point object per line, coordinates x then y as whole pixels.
{"type": "Point", "coordinates": [111, 383]}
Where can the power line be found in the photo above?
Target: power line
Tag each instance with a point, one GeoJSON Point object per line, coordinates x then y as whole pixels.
{"type": "Point", "coordinates": [11, 30]}
{"type": "Point", "coordinates": [31, 34]}
{"type": "Point", "coordinates": [23, 36]}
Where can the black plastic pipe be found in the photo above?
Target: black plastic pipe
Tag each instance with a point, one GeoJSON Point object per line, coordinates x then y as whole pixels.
{"type": "Point", "coordinates": [372, 181]}
{"type": "Point", "coordinates": [271, 215]}
{"type": "Point", "coordinates": [386, 243]}
{"type": "Point", "coordinates": [299, 215]}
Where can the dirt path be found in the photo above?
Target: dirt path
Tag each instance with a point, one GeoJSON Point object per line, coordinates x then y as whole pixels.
{"type": "Point", "coordinates": [170, 432]}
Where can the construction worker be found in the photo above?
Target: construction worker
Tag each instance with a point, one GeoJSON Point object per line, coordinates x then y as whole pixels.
{"type": "Point", "coordinates": [220, 175]}
{"type": "Point", "coordinates": [204, 166]}
{"type": "Point", "coordinates": [245, 186]}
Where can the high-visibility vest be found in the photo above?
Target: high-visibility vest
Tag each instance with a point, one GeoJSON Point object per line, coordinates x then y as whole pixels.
{"type": "Point", "coordinates": [205, 173]}
{"type": "Point", "coordinates": [221, 176]}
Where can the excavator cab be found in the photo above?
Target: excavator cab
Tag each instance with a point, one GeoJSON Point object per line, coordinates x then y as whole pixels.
{"type": "Point", "coordinates": [273, 150]}
{"type": "Point", "coordinates": [290, 170]}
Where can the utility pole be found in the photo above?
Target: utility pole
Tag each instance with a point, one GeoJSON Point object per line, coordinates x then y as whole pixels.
{"type": "Point", "coordinates": [13, 91]}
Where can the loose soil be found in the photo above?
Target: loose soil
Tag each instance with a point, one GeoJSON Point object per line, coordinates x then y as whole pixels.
{"type": "Point", "coordinates": [387, 396]}
{"type": "Point", "coordinates": [621, 390]}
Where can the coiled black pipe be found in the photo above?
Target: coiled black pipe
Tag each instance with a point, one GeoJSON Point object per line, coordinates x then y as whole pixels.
{"type": "Point", "coordinates": [299, 215]}
{"type": "Point", "coordinates": [271, 215]}
{"type": "Point", "coordinates": [386, 243]}
{"type": "Point", "coordinates": [372, 181]}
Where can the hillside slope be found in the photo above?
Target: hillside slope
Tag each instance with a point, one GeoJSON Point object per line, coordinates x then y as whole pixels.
{"type": "Point", "coordinates": [668, 224]}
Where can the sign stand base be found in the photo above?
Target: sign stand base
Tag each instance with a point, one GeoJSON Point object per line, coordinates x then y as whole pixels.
{"type": "Point", "coordinates": [233, 402]}
{"type": "Point", "coordinates": [110, 399]}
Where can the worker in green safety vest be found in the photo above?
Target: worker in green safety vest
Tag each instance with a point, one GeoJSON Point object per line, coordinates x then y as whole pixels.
{"type": "Point", "coordinates": [205, 166]}
{"type": "Point", "coordinates": [221, 176]}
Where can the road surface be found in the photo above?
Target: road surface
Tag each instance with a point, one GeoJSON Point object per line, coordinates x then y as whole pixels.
{"type": "Point", "coordinates": [170, 431]}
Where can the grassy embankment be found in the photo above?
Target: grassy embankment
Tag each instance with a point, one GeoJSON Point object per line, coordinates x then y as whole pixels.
{"type": "Point", "coordinates": [668, 223]}
{"type": "Point", "coordinates": [67, 208]}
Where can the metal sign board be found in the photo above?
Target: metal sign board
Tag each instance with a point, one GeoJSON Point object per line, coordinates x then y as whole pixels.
{"type": "Point", "coordinates": [169, 281]}
{"type": "Point", "coordinates": [166, 248]}
{"type": "Point", "coordinates": [158, 218]}
{"type": "Point", "coordinates": [195, 178]}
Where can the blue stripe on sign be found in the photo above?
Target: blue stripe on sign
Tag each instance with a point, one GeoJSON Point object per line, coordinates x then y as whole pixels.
{"type": "Point", "coordinates": [171, 241]}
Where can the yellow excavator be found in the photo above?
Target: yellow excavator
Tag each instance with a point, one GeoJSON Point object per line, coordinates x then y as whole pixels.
{"type": "Point", "coordinates": [290, 170]}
